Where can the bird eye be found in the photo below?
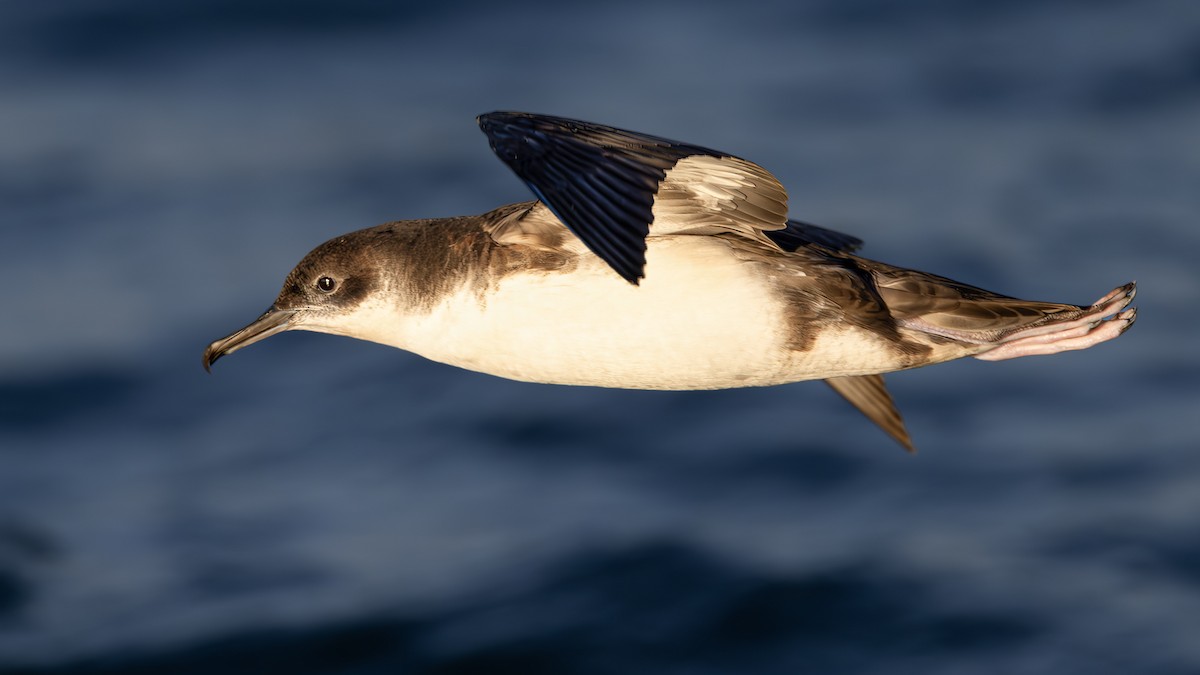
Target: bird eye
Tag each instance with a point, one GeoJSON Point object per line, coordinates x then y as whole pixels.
{"type": "Point", "coordinates": [326, 284]}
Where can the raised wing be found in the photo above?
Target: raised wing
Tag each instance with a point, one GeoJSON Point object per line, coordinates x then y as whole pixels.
{"type": "Point", "coordinates": [612, 188]}
{"type": "Point", "coordinates": [703, 194]}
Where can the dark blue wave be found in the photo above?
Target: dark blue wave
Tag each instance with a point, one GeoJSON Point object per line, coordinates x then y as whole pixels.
{"type": "Point", "coordinates": [654, 608]}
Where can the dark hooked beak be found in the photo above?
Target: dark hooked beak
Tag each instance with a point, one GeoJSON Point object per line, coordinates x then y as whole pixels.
{"type": "Point", "coordinates": [273, 321]}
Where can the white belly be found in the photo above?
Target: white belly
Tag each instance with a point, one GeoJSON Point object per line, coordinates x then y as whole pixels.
{"type": "Point", "coordinates": [697, 321]}
{"type": "Point", "coordinates": [700, 319]}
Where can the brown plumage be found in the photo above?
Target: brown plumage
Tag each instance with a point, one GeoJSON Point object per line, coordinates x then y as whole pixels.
{"type": "Point", "coordinates": [652, 264]}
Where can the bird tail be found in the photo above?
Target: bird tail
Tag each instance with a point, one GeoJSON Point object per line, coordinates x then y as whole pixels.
{"type": "Point", "coordinates": [962, 320]}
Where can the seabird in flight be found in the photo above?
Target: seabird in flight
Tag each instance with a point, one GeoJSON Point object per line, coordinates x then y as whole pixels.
{"type": "Point", "coordinates": [645, 263]}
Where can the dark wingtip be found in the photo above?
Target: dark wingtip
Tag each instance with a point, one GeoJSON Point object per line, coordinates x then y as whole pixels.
{"type": "Point", "coordinates": [496, 120]}
{"type": "Point", "coordinates": [494, 114]}
{"type": "Point", "coordinates": [600, 181]}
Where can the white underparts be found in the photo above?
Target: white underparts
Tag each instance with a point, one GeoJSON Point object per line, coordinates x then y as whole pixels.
{"type": "Point", "coordinates": [700, 319]}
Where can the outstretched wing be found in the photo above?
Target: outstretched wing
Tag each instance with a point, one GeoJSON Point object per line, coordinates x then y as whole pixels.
{"type": "Point", "coordinates": [612, 188]}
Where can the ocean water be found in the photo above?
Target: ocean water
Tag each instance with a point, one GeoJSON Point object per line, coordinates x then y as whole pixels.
{"type": "Point", "coordinates": [322, 505]}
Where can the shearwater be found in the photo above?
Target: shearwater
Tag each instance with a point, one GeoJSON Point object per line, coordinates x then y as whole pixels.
{"type": "Point", "coordinates": [645, 263]}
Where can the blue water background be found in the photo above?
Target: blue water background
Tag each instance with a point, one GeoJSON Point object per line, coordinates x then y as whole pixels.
{"type": "Point", "coordinates": [322, 505]}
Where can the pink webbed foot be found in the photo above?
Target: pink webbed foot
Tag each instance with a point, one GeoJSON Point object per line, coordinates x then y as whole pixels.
{"type": "Point", "coordinates": [1104, 320]}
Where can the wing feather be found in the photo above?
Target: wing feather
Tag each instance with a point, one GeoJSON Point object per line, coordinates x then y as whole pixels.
{"type": "Point", "coordinates": [614, 188]}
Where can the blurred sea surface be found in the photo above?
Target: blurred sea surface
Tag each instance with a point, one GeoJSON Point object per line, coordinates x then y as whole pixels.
{"type": "Point", "coordinates": [322, 505]}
